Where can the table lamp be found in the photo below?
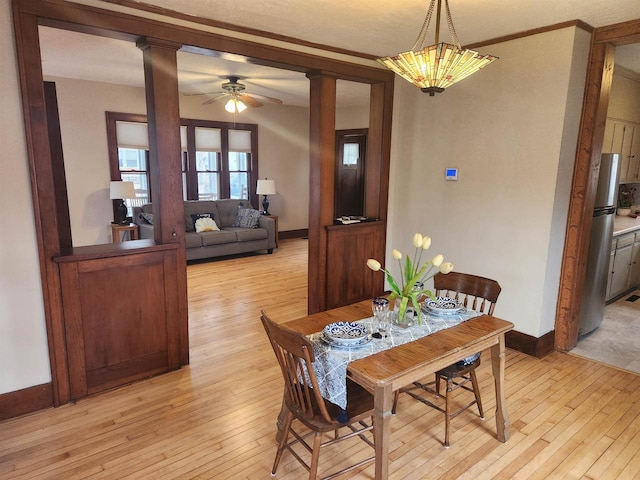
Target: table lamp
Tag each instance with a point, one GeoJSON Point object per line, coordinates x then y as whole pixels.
{"type": "Point", "coordinates": [120, 191]}
{"type": "Point", "coordinates": [266, 187]}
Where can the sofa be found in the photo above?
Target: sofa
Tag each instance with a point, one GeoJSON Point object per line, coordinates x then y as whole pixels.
{"type": "Point", "coordinates": [217, 227]}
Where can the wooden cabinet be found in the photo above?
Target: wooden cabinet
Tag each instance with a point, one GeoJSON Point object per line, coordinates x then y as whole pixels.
{"type": "Point", "coordinates": [624, 138]}
{"type": "Point", "coordinates": [122, 316]}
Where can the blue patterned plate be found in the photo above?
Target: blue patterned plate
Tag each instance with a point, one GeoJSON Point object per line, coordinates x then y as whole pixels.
{"type": "Point", "coordinates": [346, 332]}
{"type": "Point", "coordinates": [342, 345]}
{"type": "Point", "coordinates": [444, 306]}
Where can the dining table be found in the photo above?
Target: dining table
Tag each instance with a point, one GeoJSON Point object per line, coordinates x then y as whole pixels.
{"type": "Point", "coordinates": [385, 372]}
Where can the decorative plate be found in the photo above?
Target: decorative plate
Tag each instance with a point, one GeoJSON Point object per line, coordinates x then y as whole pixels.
{"type": "Point", "coordinates": [444, 306]}
{"type": "Point", "coordinates": [342, 345]}
{"type": "Point", "coordinates": [346, 332]}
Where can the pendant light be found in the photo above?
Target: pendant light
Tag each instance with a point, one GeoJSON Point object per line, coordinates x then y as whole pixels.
{"type": "Point", "coordinates": [436, 67]}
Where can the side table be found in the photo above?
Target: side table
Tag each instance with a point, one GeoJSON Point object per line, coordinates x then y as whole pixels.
{"type": "Point", "coordinates": [118, 231]}
{"type": "Point", "coordinates": [275, 219]}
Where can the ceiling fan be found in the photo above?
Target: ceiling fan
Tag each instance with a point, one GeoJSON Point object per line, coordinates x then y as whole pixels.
{"type": "Point", "coordinates": [238, 99]}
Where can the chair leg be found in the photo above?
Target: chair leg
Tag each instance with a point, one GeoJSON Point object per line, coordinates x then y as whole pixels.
{"type": "Point", "coordinates": [395, 401]}
{"type": "Point", "coordinates": [447, 414]}
{"type": "Point", "coordinates": [315, 456]}
{"type": "Point", "coordinates": [288, 420]}
{"type": "Point", "coordinates": [476, 392]}
{"type": "Point", "coordinates": [437, 384]}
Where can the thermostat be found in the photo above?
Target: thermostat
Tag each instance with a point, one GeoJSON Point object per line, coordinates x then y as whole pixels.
{"type": "Point", "coordinates": [451, 174]}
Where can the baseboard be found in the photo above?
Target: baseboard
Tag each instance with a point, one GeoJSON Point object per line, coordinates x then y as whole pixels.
{"type": "Point", "coordinates": [536, 347]}
{"type": "Point", "coordinates": [302, 233]}
{"type": "Point", "coordinates": [27, 400]}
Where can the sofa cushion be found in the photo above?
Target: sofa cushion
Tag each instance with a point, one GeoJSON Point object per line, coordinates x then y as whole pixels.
{"type": "Point", "coordinates": [197, 216]}
{"type": "Point", "coordinates": [247, 218]}
{"type": "Point", "coordinates": [250, 234]}
{"type": "Point", "coordinates": [195, 207]}
{"type": "Point", "coordinates": [218, 237]}
{"type": "Point", "coordinates": [147, 217]}
{"type": "Point", "coordinates": [193, 240]}
{"type": "Point", "coordinates": [228, 211]}
{"type": "Point", "coordinates": [206, 224]}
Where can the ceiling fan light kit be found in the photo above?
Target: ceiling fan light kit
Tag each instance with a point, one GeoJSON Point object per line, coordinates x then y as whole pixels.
{"type": "Point", "coordinates": [235, 105]}
{"type": "Point", "coordinates": [436, 67]}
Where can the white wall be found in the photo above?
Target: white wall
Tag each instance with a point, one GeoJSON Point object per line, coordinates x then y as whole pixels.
{"type": "Point", "coordinates": [24, 358]}
{"type": "Point", "coordinates": [511, 130]}
{"type": "Point", "coordinates": [283, 151]}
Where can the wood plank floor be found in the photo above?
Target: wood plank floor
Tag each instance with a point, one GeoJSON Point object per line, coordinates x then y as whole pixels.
{"type": "Point", "coordinates": [571, 417]}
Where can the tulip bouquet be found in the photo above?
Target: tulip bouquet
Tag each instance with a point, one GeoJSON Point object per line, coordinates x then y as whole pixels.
{"type": "Point", "coordinates": [413, 276]}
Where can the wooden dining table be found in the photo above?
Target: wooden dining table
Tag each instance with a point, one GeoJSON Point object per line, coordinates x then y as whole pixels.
{"type": "Point", "coordinates": [385, 372]}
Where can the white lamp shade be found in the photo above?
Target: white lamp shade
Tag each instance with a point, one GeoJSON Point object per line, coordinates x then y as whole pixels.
{"type": "Point", "coordinates": [120, 190]}
{"type": "Point", "coordinates": [266, 187]}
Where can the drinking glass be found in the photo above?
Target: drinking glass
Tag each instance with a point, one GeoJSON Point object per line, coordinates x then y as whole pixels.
{"type": "Point", "coordinates": [380, 307]}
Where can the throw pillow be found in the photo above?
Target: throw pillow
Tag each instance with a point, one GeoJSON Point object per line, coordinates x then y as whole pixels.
{"type": "Point", "coordinates": [194, 218]}
{"type": "Point", "coordinates": [148, 217]}
{"type": "Point", "coordinates": [205, 224]}
{"type": "Point", "coordinates": [247, 218]}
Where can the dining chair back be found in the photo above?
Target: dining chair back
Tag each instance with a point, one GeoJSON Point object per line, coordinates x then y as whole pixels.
{"type": "Point", "coordinates": [475, 293]}
{"type": "Point", "coordinates": [303, 401]}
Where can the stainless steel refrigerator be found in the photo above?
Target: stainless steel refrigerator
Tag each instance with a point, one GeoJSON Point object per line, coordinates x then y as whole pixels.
{"type": "Point", "coordinates": [595, 285]}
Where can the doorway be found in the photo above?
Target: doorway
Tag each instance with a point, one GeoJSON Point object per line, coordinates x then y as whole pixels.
{"type": "Point", "coordinates": [351, 154]}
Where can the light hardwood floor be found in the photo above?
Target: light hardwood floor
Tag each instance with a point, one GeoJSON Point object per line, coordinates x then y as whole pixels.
{"type": "Point", "coordinates": [571, 417]}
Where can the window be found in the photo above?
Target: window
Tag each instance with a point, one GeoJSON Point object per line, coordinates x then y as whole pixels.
{"type": "Point", "coordinates": [219, 159]}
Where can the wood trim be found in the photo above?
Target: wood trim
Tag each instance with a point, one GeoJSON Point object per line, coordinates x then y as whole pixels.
{"type": "Point", "coordinates": [536, 347]}
{"type": "Point", "coordinates": [583, 190]}
{"type": "Point", "coordinates": [619, 34]}
{"type": "Point", "coordinates": [42, 192]}
{"type": "Point", "coordinates": [27, 400]}
{"type": "Point", "coordinates": [534, 31]}
{"type": "Point", "coordinates": [237, 28]}
{"type": "Point", "coordinates": [301, 233]}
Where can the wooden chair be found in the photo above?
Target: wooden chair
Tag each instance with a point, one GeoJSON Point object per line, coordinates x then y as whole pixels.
{"type": "Point", "coordinates": [475, 293]}
{"type": "Point", "coordinates": [303, 402]}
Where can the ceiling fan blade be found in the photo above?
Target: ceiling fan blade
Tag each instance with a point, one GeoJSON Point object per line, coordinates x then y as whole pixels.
{"type": "Point", "coordinates": [203, 93]}
{"type": "Point", "coordinates": [264, 98]}
{"type": "Point", "coordinates": [252, 102]}
{"type": "Point", "coordinates": [213, 99]}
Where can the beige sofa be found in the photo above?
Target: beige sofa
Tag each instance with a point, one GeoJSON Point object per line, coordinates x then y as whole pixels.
{"type": "Point", "coordinates": [229, 240]}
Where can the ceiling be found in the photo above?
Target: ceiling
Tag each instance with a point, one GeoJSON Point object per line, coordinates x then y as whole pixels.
{"type": "Point", "coordinates": [377, 27]}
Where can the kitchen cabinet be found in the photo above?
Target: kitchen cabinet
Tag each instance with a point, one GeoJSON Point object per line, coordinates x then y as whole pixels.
{"type": "Point", "coordinates": [620, 273]}
{"type": "Point", "coordinates": [624, 138]}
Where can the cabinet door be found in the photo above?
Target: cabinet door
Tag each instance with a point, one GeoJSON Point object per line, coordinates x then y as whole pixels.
{"type": "Point", "coordinates": [613, 137]}
{"type": "Point", "coordinates": [621, 264]}
{"type": "Point", "coordinates": [633, 136]}
{"type": "Point", "coordinates": [634, 276]}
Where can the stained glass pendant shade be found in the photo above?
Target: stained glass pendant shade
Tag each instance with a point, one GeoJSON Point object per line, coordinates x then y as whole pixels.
{"type": "Point", "coordinates": [436, 67]}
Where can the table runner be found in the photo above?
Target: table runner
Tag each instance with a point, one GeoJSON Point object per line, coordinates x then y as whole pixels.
{"type": "Point", "coordinates": [331, 362]}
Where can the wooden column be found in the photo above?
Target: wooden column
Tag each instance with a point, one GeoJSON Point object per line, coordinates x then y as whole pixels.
{"type": "Point", "coordinates": [585, 183]}
{"type": "Point", "coordinates": [322, 126]}
{"type": "Point", "coordinates": [163, 118]}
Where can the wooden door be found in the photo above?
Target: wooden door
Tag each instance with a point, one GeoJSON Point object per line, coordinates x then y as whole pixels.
{"type": "Point", "coordinates": [350, 167]}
